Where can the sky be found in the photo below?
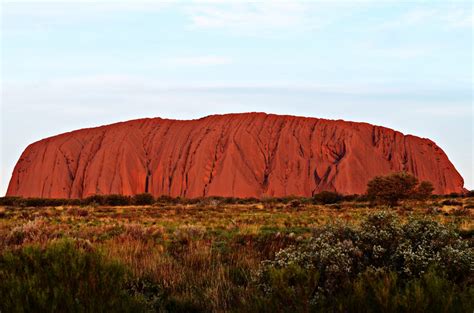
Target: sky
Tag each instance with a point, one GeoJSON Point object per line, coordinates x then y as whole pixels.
{"type": "Point", "coordinates": [405, 65]}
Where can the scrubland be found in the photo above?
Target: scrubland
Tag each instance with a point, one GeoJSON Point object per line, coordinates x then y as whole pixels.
{"type": "Point", "coordinates": [213, 255]}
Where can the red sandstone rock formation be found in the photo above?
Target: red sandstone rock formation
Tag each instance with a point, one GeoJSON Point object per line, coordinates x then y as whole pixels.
{"type": "Point", "coordinates": [238, 155]}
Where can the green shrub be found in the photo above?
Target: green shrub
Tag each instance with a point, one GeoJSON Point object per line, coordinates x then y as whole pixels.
{"type": "Point", "coordinates": [327, 197]}
{"type": "Point", "coordinates": [451, 202]}
{"type": "Point", "coordinates": [425, 243]}
{"type": "Point", "coordinates": [112, 199]}
{"type": "Point", "coordinates": [292, 286]}
{"type": "Point", "coordinates": [339, 256]}
{"type": "Point", "coordinates": [350, 198]}
{"type": "Point", "coordinates": [148, 292]}
{"type": "Point", "coordinates": [94, 199]}
{"type": "Point", "coordinates": [424, 190]}
{"type": "Point", "coordinates": [379, 290]}
{"type": "Point", "coordinates": [373, 290]}
{"type": "Point", "coordinates": [454, 195]}
{"type": "Point", "coordinates": [11, 201]}
{"type": "Point", "coordinates": [62, 278]}
{"type": "Point", "coordinates": [116, 200]}
{"type": "Point", "coordinates": [37, 202]}
{"type": "Point", "coordinates": [143, 199]}
{"type": "Point", "coordinates": [163, 199]}
{"type": "Point", "coordinates": [246, 200]}
{"type": "Point", "coordinates": [294, 204]}
{"type": "Point", "coordinates": [392, 188]}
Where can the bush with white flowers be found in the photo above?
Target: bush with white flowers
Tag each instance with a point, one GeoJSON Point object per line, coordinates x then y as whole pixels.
{"type": "Point", "coordinates": [338, 255]}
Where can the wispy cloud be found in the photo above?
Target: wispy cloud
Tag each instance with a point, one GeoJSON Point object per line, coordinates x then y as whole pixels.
{"type": "Point", "coordinates": [447, 16]}
{"type": "Point", "coordinates": [127, 84]}
{"type": "Point", "coordinates": [446, 111]}
{"type": "Point", "coordinates": [459, 18]}
{"type": "Point", "coordinates": [197, 61]}
{"type": "Point", "coordinates": [396, 52]}
{"type": "Point", "coordinates": [401, 53]}
{"type": "Point", "coordinates": [64, 89]}
{"type": "Point", "coordinates": [29, 17]}
{"type": "Point", "coordinates": [254, 17]}
{"type": "Point", "coordinates": [96, 4]}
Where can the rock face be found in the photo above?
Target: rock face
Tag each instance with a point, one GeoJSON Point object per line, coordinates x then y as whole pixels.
{"type": "Point", "coordinates": [237, 155]}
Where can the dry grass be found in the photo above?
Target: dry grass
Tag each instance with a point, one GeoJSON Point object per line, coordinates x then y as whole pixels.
{"type": "Point", "coordinates": [162, 225]}
{"type": "Point", "coordinates": [210, 249]}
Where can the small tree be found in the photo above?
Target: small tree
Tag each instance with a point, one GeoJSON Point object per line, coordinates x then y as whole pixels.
{"type": "Point", "coordinates": [393, 188]}
{"type": "Point", "coordinates": [424, 190]}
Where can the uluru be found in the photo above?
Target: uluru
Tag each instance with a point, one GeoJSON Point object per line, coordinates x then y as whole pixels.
{"type": "Point", "coordinates": [234, 155]}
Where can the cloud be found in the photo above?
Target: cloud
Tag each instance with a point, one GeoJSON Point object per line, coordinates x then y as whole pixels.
{"type": "Point", "coordinates": [459, 18]}
{"type": "Point", "coordinates": [447, 111]}
{"type": "Point", "coordinates": [97, 4]}
{"type": "Point", "coordinates": [27, 18]}
{"type": "Point", "coordinates": [408, 52]}
{"type": "Point", "coordinates": [444, 16]}
{"type": "Point", "coordinates": [52, 91]}
{"type": "Point", "coordinates": [109, 96]}
{"type": "Point", "coordinates": [48, 90]}
{"type": "Point", "coordinates": [255, 17]}
{"type": "Point", "coordinates": [197, 61]}
{"type": "Point", "coordinates": [60, 12]}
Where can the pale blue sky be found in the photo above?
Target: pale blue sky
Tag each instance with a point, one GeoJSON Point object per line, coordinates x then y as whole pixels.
{"type": "Point", "coordinates": [404, 65]}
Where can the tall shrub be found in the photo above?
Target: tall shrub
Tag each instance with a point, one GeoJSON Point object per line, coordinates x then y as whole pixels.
{"type": "Point", "coordinates": [392, 188]}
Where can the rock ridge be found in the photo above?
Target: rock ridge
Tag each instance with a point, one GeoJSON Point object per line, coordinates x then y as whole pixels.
{"type": "Point", "coordinates": [237, 155]}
